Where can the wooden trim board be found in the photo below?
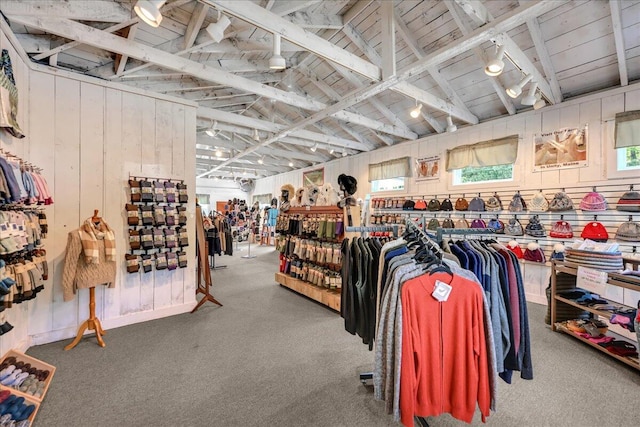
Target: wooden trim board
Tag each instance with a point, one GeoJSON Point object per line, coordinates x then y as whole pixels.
{"type": "Point", "coordinates": [328, 297]}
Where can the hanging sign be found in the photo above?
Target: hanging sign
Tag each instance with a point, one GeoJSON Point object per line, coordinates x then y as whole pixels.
{"type": "Point", "coordinates": [427, 168]}
{"type": "Point", "coordinates": [560, 149]}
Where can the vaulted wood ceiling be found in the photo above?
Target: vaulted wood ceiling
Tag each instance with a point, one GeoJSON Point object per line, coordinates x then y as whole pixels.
{"type": "Point", "coordinates": [354, 68]}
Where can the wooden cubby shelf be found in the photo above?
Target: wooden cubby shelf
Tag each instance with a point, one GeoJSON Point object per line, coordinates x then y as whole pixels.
{"type": "Point", "coordinates": [328, 297]}
{"type": "Point", "coordinates": [613, 279]}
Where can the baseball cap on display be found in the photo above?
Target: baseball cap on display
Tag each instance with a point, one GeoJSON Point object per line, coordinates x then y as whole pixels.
{"type": "Point", "coordinates": [434, 204]}
{"type": "Point", "coordinates": [539, 203]}
{"type": "Point", "coordinates": [629, 202]}
{"type": "Point", "coordinates": [433, 224]}
{"type": "Point", "coordinates": [462, 204]}
{"type": "Point", "coordinates": [629, 231]}
{"type": "Point", "coordinates": [478, 223]}
{"type": "Point", "coordinates": [421, 205]}
{"type": "Point", "coordinates": [595, 231]}
{"type": "Point", "coordinates": [462, 223]}
{"type": "Point", "coordinates": [446, 205]}
{"type": "Point", "coordinates": [517, 203]}
{"type": "Point", "coordinates": [494, 203]}
{"type": "Point", "coordinates": [408, 205]}
{"type": "Point", "coordinates": [448, 223]}
{"type": "Point", "coordinates": [593, 201]}
{"type": "Point", "coordinates": [561, 230]}
{"type": "Point", "coordinates": [561, 202]}
{"type": "Point", "coordinates": [477, 204]}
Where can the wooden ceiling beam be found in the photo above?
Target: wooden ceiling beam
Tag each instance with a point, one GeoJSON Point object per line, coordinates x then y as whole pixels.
{"type": "Point", "coordinates": [616, 20]}
{"type": "Point", "coordinates": [269, 21]}
{"type": "Point", "coordinates": [465, 27]}
{"type": "Point", "coordinates": [253, 123]}
{"type": "Point", "coordinates": [504, 23]}
{"type": "Point", "coordinates": [195, 24]}
{"type": "Point", "coordinates": [93, 37]}
{"type": "Point", "coordinates": [315, 21]}
{"type": "Point", "coordinates": [283, 8]}
{"type": "Point", "coordinates": [477, 10]}
{"type": "Point", "coordinates": [120, 61]}
{"type": "Point", "coordinates": [82, 10]}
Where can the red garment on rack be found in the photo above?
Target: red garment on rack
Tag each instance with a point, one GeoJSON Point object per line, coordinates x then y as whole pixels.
{"type": "Point", "coordinates": [444, 354]}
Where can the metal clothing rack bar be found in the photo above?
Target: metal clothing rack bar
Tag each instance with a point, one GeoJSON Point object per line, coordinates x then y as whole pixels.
{"type": "Point", "coordinates": [461, 232]}
{"type": "Point", "coordinates": [373, 229]}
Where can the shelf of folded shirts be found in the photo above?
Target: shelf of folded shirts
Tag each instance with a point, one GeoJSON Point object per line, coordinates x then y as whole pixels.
{"type": "Point", "coordinates": [325, 296]}
{"type": "Point", "coordinates": [601, 313]}
{"type": "Point", "coordinates": [633, 362]}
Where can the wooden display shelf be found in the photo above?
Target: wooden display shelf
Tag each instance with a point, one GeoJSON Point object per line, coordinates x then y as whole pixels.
{"type": "Point", "coordinates": [635, 363]}
{"type": "Point", "coordinates": [28, 400]}
{"type": "Point", "coordinates": [38, 364]}
{"type": "Point", "coordinates": [328, 297]}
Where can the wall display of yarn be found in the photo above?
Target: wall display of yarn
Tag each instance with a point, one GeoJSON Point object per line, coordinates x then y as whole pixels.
{"type": "Point", "coordinates": [23, 226]}
{"type": "Point", "coordinates": [157, 219]}
{"type": "Point", "coordinates": [548, 218]}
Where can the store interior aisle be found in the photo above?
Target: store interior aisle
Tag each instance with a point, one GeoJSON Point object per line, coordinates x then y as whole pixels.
{"type": "Point", "coordinates": [272, 357]}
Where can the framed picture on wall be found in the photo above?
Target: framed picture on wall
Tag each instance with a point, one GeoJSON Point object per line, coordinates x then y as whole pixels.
{"type": "Point", "coordinates": [427, 168]}
{"type": "Point", "coordinates": [560, 149]}
{"type": "Point", "coordinates": [263, 199]}
{"type": "Point", "coordinates": [314, 177]}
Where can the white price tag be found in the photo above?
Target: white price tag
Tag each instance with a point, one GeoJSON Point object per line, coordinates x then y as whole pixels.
{"type": "Point", "coordinates": [441, 291]}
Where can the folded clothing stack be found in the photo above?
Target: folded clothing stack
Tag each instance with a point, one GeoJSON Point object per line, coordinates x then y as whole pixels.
{"type": "Point", "coordinates": [609, 261]}
{"type": "Point", "coordinates": [14, 411]}
{"type": "Point", "coordinates": [621, 348]}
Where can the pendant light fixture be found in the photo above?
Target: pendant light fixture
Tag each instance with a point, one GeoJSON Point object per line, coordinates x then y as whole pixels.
{"type": "Point", "coordinates": [450, 126]}
{"type": "Point", "coordinates": [539, 102]}
{"type": "Point", "coordinates": [212, 131]}
{"type": "Point", "coordinates": [149, 11]}
{"type": "Point", "coordinates": [530, 99]}
{"type": "Point", "coordinates": [515, 90]}
{"type": "Point", "coordinates": [216, 29]}
{"type": "Point", "coordinates": [495, 65]}
{"type": "Point", "coordinates": [277, 62]}
{"type": "Point", "coordinates": [415, 113]}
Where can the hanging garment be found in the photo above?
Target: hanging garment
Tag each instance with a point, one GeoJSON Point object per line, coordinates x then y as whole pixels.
{"type": "Point", "coordinates": [8, 97]}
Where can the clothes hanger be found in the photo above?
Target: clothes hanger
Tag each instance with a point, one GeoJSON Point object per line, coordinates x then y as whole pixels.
{"type": "Point", "coordinates": [95, 218]}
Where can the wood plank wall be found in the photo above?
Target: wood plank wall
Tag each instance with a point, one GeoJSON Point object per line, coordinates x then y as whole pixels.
{"type": "Point", "coordinates": [89, 138]}
{"type": "Point", "coordinates": [594, 110]}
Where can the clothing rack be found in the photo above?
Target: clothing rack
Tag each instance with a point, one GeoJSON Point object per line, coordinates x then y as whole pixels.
{"type": "Point", "coordinates": [461, 231]}
{"type": "Point", "coordinates": [373, 229]}
{"type": "Point", "coordinates": [147, 178]}
{"type": "Point", "coordinates": [213, 257]}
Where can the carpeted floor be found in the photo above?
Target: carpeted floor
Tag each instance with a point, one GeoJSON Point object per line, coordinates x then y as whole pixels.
{"type": "Point", "coordinates": [270, 357]}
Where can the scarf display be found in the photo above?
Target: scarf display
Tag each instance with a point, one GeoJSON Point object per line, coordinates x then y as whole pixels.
{"type": "Point", "coordinates": [90, 233]}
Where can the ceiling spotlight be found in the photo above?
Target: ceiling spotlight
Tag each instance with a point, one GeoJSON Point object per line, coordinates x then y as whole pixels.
{"type": "Point", "coordinates": [450, 126]}
{"type": "Point", "coordinates": [244, 172]}
{"type": "Point", "coordinates": [256, 135]}
{"type": "Point", "coordinates": [149, 11]}
{"type": "Point", "coordinates": [530, 99]}
{"type": "Point", "coordinates": [495, 65]}
{"type": "Point", "coordinates": [261, 160]}
{"type": "Point", "coordinates": [344, 153]}
{"type": "Point", "coordinates": [212, 131]}
{"type": "Point", "coordinates": [277, 62]}
{"type": "Point", "coordinates": [515, 90]}
{"type": "Point", "coordinates": [315, 147]}
{"type": "Point", "coordinates": [218, 152]}
{"type": "Point", "coordinates": [331, 151]}
{"type": "Point", "coordinates": [539, 102]}
{"type": "Point", "coordinates": [290, 164]}
{"type": "Point", "coordinates": [216, 29]}
{"type": "Point", "coordinates": [416, 111]}
{"type": "Point", "coordinates": [215, 178]}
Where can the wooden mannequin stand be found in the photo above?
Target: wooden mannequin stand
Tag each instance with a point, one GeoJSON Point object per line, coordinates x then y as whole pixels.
{"type": "Point", "coordinates": [92, 323]}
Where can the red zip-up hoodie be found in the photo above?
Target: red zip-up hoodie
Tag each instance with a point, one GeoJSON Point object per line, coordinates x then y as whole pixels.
{"type": "Point", "coordinates": [444, 355]}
